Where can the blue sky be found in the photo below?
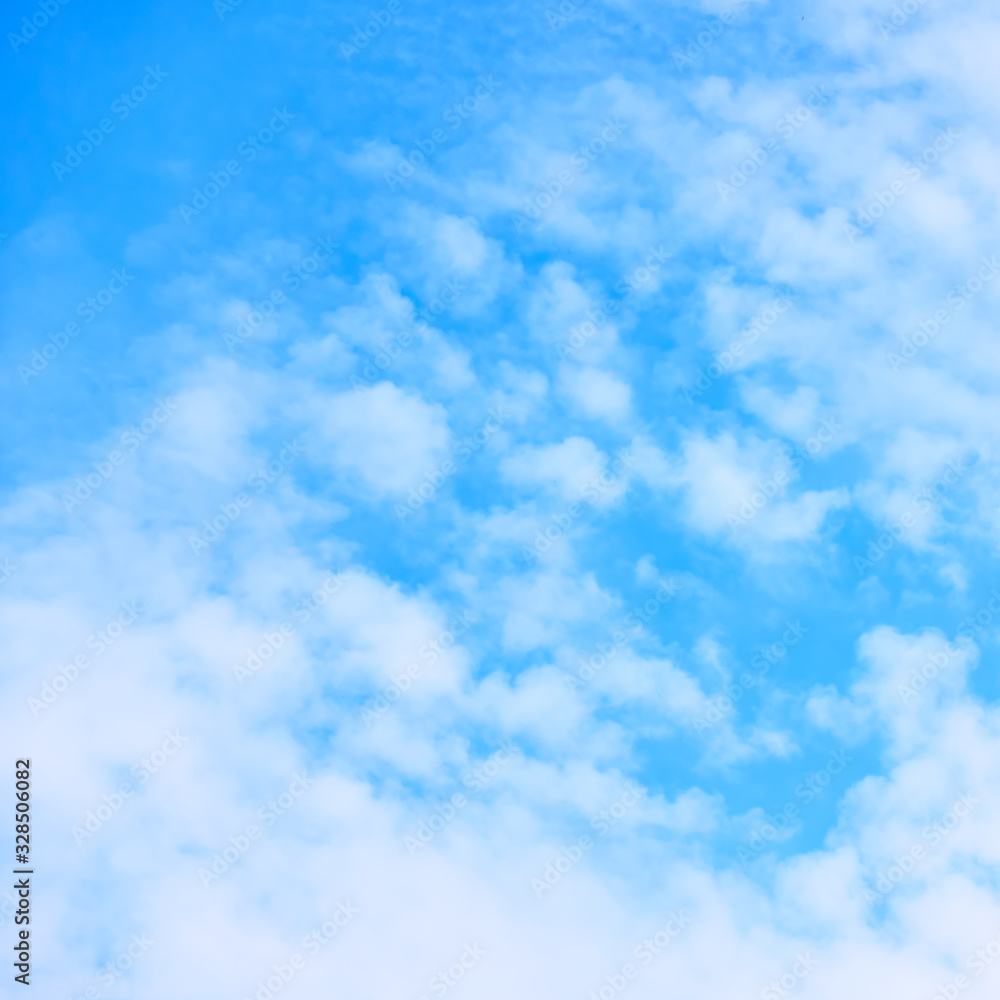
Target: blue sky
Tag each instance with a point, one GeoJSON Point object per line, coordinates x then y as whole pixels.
{"type": "Point", "coordinates": [589, 397]}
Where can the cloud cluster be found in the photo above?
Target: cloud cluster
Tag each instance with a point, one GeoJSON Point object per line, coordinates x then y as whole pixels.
{"type": "Point", "coordinates": [580, 583]}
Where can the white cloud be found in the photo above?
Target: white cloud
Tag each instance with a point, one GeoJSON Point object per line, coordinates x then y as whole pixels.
{"type": "Point", "coordinates": [565, 469]}
{"type": "Point", "coordinates": [597, 394]}
{"type": "Point", "coordinates": [741, 490]}
{"type": "Point", "coordinates": [389, 438]}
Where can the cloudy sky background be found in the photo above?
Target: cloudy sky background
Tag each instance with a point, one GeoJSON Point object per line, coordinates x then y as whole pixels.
{"type": "Point", "coordinates": [626, 415]}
